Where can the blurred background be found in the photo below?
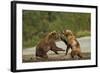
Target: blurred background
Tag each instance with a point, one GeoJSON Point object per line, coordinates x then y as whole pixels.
{"type": "Point", "coordinates": [36, 24]}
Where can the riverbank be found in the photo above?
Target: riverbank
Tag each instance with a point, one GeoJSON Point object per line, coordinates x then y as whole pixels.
{"type": "Point", "coordinates": [28, 54]}
{"type": "Point", "coordinates": [54, 57]}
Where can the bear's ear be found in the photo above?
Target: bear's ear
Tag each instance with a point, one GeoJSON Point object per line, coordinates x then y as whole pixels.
{"type": "Point", "coordinates": [53, 32]}
{"type": "Point", "coordinates": [68, 31]}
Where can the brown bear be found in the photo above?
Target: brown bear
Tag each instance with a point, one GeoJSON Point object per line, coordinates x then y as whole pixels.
{"type": "Point", "coordinates": [46, 44]}
{"type": "Point", "coordinates": [72, 44]}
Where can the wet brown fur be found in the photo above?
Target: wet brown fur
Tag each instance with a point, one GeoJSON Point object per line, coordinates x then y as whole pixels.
{"type": "Point", "coordinates": [72, 44]}
{"type": "Point", "coordinates": [46, 44]}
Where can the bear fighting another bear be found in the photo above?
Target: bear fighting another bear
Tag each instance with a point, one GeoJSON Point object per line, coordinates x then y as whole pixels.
{"type": "Point", "coordinates": [72, 44]}
{"type": "Point", "coordinates": [48, 43]}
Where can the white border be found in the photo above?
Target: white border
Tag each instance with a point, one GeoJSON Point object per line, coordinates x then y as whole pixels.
{"type": "Point", "coordinates": [36, 65]}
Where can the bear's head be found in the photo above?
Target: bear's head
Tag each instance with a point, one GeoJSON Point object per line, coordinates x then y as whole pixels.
{"type": "Point", "coordinates": [67, 33]}
{"type": "Point", "coordinates": [53, 35]}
